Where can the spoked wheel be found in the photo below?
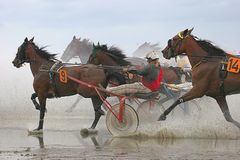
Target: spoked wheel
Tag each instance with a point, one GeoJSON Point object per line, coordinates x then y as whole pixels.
{"type": "Point", "coordinates": [189, 109]}
{"type": "Point", "coordinates": [130, 121]}
{"type": "Point", "coordinates": [149, 111]}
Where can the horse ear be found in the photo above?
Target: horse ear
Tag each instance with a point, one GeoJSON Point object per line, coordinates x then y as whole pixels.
{"type": "Point", "coordinates": [93, 45]}
{"type": "Point", "coordinates": [189, 31]}
{"type": "Point", "coordinates": [98, 44]}
{"type": "Point", "coordinates": [31, 40]}
{"type": "Point", "coordinates": [185, 33]}
{"type": "Point", "coordinates": [74, 37]}
{"type": "Point", "coordinates": [26, 39]}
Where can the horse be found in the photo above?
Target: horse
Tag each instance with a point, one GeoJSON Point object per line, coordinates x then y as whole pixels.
{"type": "Point", "coordinates": [113, 56]}
{"type": "Point", "coordinates": [46, 81]}
{"type": "Point", "coordinates": [209, 74]}
{"type": "Point", "coordinates": [78, 48]}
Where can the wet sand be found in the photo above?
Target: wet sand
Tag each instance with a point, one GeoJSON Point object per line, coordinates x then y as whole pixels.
{"type": "Point", "coordinates": [62, 140]}
{"type": "Point", "coordinates": [16, 144]}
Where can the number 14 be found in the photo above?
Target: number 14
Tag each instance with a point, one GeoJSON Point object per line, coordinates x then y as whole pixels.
{"type": "Point", "coordinates": [233, 65]}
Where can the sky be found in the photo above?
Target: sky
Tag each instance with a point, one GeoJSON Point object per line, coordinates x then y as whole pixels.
{"type": "Point", "coordinates": [122, 23]}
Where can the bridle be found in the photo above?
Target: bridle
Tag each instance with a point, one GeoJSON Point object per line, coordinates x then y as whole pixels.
{"type": "Point", "coordinates": [172, 48]}
{"type": "Point", "coordinates": [21, 55]}
{"type": "Point", "coordinates": [92, 58]}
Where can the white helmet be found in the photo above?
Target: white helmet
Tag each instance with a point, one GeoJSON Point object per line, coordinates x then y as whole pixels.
{"type": "Point", "coordinates": [152, 55]}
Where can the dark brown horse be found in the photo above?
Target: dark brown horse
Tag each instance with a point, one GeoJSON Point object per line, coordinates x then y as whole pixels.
{"type": "Point", "coordinates": [209, 75]}
{"type": "Point", "coordinates": [46, 82]}
{"type": "Point", "coordinates": [112, 56]}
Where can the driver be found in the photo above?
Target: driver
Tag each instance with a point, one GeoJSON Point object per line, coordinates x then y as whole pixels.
{"type": "Point", "coordinates": [151, 77]}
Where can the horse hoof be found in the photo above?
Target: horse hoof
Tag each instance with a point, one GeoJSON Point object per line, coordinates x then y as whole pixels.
{"type": "Point", "coordinates": [162, 118]}
{"type": "Point", "coordinates": [85, 132]}
{"type": "Point", "coordinates": [35, 132]}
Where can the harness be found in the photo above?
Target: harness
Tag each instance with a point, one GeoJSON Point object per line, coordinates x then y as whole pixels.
{"type": "Point", "coordinates": [52, 72]}
{"type": "Point", "coordinates": [223, 74]}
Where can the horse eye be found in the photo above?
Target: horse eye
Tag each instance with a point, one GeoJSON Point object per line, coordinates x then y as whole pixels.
{"type": "Point", "coordinates": [169, 43]}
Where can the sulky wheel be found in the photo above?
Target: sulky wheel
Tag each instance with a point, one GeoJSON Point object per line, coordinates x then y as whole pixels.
{"type": "Point", "coordinates": [130, 121]}
{"type": "Point", "coordinates": [149, 111]}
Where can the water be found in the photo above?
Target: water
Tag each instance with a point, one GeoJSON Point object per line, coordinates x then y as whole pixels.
{"type": "Point", "coordinates": [161, 140]}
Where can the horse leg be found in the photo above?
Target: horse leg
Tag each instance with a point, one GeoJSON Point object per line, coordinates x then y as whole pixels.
{"type": "Point", "coordinates": [74, 105]}
{"type": "Point", "coordinates": [33, 98]}
{"type": "Point", "coordinates": [195, 92]}
{"type": "Point", "coordinates": [224, 107]}
{"type": "Point", "coordinates": [97, 102]}
{"type": "Point", "coordinates": [42, 101]}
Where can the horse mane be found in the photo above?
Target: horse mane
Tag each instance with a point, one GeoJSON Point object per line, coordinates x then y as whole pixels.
{"type": "Point", "coordinates": [115, 53]}
{"type": "Point", "coordinates": [211, 49]}
{"type": "Point", "coordinates": [42, 52]}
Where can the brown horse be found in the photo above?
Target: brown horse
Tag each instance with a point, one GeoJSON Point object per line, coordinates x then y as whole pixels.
{"type": "Point", "coordinates": [112, 56]}
{"type": "Point", "coordinates": [46, 82]}
{"type": "Point", "coordinates": [209, 75]}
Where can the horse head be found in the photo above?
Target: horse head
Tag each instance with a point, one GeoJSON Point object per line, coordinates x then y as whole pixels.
{"type": "Point", "coordinates": [72, 49]}
{"type": "Point", "coordinates": [22, 53]}
{"type": "Point", "coordinates": [176, 45]}
{"type": "Point", "coordinates": [29, 52]}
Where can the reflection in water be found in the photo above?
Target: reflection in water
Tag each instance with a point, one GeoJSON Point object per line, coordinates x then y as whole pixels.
{"type": "Point", "coordinates": [40, 139]}
{"type": "Point", "coordinates": [55, 144]}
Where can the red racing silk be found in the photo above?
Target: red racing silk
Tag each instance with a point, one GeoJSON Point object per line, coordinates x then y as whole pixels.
{"type": "Point", "coordinates": [154, 85]}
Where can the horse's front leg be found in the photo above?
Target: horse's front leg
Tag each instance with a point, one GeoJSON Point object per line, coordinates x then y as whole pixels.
{"type": "Point", "coordinates": [33, 98]}
{"type": "Point", "coordinates": [224, 108]}
{"type": "Point", "coordinates": [42, 102]}
{"type": "Point", "coordinates": [195, 92]}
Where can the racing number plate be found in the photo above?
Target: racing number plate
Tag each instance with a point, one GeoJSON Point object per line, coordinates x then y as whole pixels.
{"type": "Point", "coordinates": [63, 76]}
{"type": "Point", "coordinates": [233, 65]}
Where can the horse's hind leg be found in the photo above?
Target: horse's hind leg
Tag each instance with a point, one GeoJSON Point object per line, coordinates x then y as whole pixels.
{"type": "Point", "coordinates": [74, 105]}
{"type": "Point", "coordinates": [97, 102]}
{"type": "Point", "coordinates": [224, 107]}
{"type": "Point", "coordinates": [33, 98]}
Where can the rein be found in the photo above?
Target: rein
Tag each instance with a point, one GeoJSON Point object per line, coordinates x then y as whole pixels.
{"type": "Point", "coordinates": [111, 67]}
